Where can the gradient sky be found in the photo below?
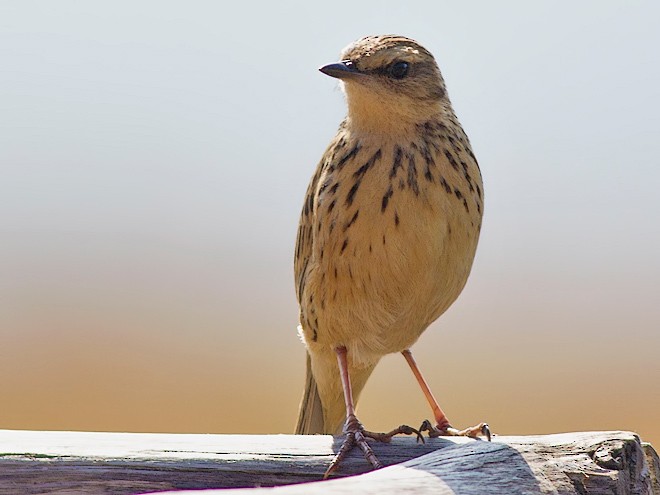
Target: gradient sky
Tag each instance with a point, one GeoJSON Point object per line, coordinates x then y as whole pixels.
{"type": "Point", "coordinates": [153, 161]}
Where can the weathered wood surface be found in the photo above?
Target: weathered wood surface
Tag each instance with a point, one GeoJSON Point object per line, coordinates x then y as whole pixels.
{"type": "Point", "coordinates": [38, 462]}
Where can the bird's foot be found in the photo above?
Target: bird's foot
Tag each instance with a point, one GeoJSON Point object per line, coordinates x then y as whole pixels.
{"type": "Point", "coordinates": [356, 435]}
{"type": "Point", "coordinates": [480, 430]}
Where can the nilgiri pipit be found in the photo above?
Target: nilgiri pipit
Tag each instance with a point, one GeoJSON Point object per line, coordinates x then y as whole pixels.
{"type": "Point", "coordinates": [387, 234]}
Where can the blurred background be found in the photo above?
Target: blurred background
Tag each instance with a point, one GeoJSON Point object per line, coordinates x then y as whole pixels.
{"type": "Point", "coordinates": [153, 161]}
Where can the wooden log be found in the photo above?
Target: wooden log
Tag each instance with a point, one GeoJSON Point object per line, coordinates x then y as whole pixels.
{"type": "Point", "coordinates": [39, 462]}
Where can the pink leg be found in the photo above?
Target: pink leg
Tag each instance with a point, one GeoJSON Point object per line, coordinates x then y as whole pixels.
{"type": "Point", "coordinates": [442, 426]}
{"type": "Point", "coordinates": [355, 432]}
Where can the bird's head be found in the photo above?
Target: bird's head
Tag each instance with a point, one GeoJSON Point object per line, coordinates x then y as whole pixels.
{"type": "Point", "coordinates": [391, 82]}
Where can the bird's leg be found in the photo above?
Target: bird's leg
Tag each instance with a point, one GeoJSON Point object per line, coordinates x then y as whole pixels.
{"type": "Point", "coordinates": [353, 428]}
{"type": "Point", "coordinates": [356, 435]}
{"type": "Point", "coordinates": [442, 426]}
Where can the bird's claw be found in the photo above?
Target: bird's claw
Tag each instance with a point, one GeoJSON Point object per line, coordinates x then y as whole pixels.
{"type": "Point", "coordinates": [400, 430]}
{"type": "Point", "coordinates": [356, 435]}
{"type": "Point", "coordinates": [352, 439]}
{"type": "Point", "coordinates": [485, 431]}
{"type": "Point", "coordinates": [480, 430]}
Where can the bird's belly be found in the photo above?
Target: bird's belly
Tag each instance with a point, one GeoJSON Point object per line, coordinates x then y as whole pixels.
{"type": "Point", "coordinates": [379, 286]}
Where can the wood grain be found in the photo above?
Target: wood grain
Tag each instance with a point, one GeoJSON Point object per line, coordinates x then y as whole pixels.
{"type": "Point", "coordinates": [39, 462]}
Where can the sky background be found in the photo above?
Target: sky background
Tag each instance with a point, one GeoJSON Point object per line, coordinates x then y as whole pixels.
{"type": "Point", "coordinates": [153, 161]}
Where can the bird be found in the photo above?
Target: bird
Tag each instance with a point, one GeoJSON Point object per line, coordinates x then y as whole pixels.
{"type": "Point", "coordinates": [387, 235]}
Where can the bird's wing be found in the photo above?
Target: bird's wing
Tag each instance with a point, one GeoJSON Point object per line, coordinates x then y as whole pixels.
{"type": "Point", "coordinates": [310, 415]}
{"type": "Point", "coordinates": [305, 239]}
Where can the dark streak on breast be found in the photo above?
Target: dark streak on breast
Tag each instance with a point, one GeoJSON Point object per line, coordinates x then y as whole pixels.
{"type": "Point", "coordinates": [386, 199]}
{"type": "Point", "coordinates": [348, 156]}
{"type": "Point", "coordinates": [445, 184]}
{"type": "Point", "coordinates": [451, 159]}
{"type": "Point", "coordinates": [412, 174]}
{"type": "Point", "coordinates": [351, 221]}
{"type": "Point", "coordinates": [396, 164]}
{"type": "Point", "coordinates": [359, 174]}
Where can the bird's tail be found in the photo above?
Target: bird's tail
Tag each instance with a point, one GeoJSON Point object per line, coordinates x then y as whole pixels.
{"type": "Point", "coordinates": [310, 416]}
{"type": "Point", "coordinates": [313, 417]}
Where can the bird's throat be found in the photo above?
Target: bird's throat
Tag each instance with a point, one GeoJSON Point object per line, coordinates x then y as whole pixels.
{"type": "Point", "coordinates": [370, 113]}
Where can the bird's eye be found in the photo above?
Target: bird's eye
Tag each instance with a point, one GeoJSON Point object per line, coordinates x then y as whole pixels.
{"type": "Point", "coordinates": [399, 70]}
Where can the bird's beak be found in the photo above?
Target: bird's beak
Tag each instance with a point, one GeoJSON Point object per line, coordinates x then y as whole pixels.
{"type": "Point", "coordinates": [341, 70]}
